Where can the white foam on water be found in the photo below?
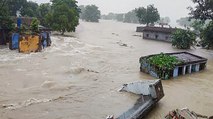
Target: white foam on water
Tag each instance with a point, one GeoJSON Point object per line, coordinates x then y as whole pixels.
{"type": "Point", "coordinates": [9, 55]}
{"type": "Point", "coordinates": [48, 84]}
{"type": "Point", "coordinates": [69, 46]}
{"type": "Point", "coordinates": [63, 46]}
{"type": "Point", "coordinates": [25, 103]}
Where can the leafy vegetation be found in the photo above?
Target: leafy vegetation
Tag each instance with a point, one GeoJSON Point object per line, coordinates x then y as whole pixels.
{"type": "Point", "coordinates": [131, 17]}
{"type": "Point", "coordinates": [43, 11]}
{"type": "Point", "coordinates": [90, 13]}
{"type": "Point", "coordinates": [34, 25]}
{"type": "Point", "coordinates": [164, 61]}
{"type": "Point", "coordinates": [183, 39]}
{"type": "Point", "coordinates": [162, 64]}
{"type": "Point", "coordinates": [203, 10]}
{"type": "Point", "coordinates": [196, 24]}
{"type": "Point", "coordinates": [5, 19]}
{"type": "Point", "coordinates": [207, 36]}
{"type": "Point", "coordinates": [147, 15]}
{"type": "Point", "coordinates": [184, 21]}
{"type": "Point", "coordinates": [61, 15]}
{"type": "Point", "coordinates": [64, 16]}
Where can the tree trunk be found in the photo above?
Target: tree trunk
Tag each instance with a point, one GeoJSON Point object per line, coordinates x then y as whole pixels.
{"type": "Point", "coordinates": [62, 32]}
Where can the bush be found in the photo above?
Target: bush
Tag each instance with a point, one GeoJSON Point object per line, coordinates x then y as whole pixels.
{"type": "Point", "coordinates": [207, 36]}
{"type": "Point", "coordinates": [164, 61]}
{"type": "Point", "coordinates": [183, 39]}
{"type": "Point", "coordinates": [34, 25]}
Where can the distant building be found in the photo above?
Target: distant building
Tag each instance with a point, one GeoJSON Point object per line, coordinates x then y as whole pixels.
{"type": "Point", "coordinates": [156, 33]}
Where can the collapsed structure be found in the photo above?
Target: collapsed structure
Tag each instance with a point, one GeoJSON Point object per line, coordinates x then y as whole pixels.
{"type": "Point", "coordinates": [150, 91]}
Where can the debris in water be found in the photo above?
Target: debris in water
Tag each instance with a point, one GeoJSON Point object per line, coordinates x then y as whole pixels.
{"type": "Point", "coordinates": [137, 35]}
{"type": "Point", "coordinates": [185, 114]}
{"type": "Point", "coordinates": [48, 84]}
{"type": "Point", "coordinates": [78, 70]}
{"type": "Point", "coordinates": [115, 34]}
{"type": "Point", "coordinates": [110, 117]}
{"type": "Point", "coordinates": [151, 92]}
{"type": "Point", "coordinates": [89, 70]}
{"type": "Point", "coordinates": [122, 44]}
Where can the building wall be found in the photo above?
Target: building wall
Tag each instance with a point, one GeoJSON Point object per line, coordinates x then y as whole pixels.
{"type": "Point", "coordinates": [157, 36]}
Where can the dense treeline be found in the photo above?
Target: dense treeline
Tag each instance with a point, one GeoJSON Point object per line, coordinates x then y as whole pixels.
{"type": "Point", "coordinates": [61, 15]}
{"type": "Point", "coordinates": [201, 20]}
{"type": "Point", "coordinates": [129, 17]}
{"type": "Point", "coordinates": [142, 15]}
{"type": "Point", "coordinates": [90, 13]}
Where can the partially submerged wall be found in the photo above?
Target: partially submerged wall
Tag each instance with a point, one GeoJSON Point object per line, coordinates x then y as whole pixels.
{"type": "Point", "coordinates": [192, 63]}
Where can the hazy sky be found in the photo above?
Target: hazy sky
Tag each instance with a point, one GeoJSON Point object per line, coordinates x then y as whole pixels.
{"type": "Point", "coordinates": [171, 8]}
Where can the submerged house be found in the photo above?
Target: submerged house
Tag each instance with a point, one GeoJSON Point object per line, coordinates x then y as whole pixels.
{"type": "Point", "coordinates": [156, 33]}
{"type": "Point", "coordinates": [189, 63]}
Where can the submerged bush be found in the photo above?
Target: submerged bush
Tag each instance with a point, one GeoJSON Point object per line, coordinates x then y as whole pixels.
{"type": "Point", "coordinates": [183, 39]}
{"type": "Point", "coordinates": [164, 61]}
{"type": "Point", "coordinates": [163, 64]}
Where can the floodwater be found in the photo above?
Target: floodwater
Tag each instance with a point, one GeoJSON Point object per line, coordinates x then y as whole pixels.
{"type": "Point", "coordinates": [78, 77]}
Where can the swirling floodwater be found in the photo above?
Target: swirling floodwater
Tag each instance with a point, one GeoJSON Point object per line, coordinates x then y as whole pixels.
{"type": "Point", "coordinates": [78, 77]}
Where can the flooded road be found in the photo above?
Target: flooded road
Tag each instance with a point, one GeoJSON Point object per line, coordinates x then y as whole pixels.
{"type": "Point", "coordinates": [78, 77]}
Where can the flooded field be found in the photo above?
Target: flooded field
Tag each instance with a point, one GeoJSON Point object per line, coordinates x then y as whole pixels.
{"type": "Point", "coordinates": [78, 77]}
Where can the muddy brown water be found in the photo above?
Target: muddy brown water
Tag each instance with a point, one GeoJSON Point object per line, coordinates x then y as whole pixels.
{"type": "Point", "coordinates": [78, 77]}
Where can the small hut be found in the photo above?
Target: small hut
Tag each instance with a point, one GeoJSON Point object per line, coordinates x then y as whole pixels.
{"type": "Point", "coordinates": [156, 33]}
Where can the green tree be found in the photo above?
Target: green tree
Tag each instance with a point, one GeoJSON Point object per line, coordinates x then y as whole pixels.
{"type": "Point", "coordinates": [43, 10]}
{"type": "Point", "coordinates": [91, 13]}
{"type": "Point", "coordinates": [147, 15]}
{"type": "Point", "coordinates": [131, 17]}
{"type": "Point", "coordinates": [15, 5]}
{"type": "Point", "coordinates": [82, 8]}
{"type": "Point", "coordinates": [207, 36]}
{"type": "Point", "coordinates": [34, 25]}
{"type": "Point", "coordinates": [5, 19]}
{"type": "Point", "coordinates": [30, 9]}
{"type": "Point", "coordinates": [198, 26]}
{"type": "Point", "coordinates": [110, 16]}
{"type": "Point", "coordinates": [203, 10]}
{"type": "Point", "coordinates": [183, 39]}
{"type": "Point", "coordinates": [26, 8]}
{"type": "Point", "coordinates": [120, 17]}
{"type": "Point", "coordinates": [184, 21]}
{"type": "Point", "coordinates": [64, 16]}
